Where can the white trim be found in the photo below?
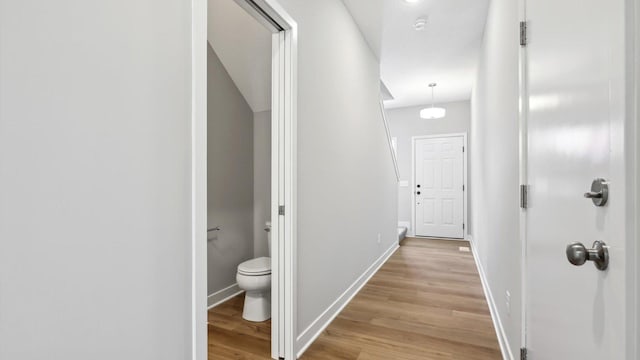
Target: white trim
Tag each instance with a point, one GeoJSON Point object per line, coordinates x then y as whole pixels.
{"type": "Point", "coordinates": [632, 150]}
{"type": "Point", "coordinates": [198, 328]}
{"type": "Point", "coordinates": [311, 333]}
{"type": "Point", "coordinates": [223, 295]}
{"type": "Point", "coordinates": [284, 175]}
{"type": "Point", "coordinates": [523, 177]}
{"type": "Point", "coordinates": [276, 186]}
{"type": "Point", "coordinates": [503, 340]}
{"type": "Point", "coordinates": [394, 156]}
{"type": "Point", "coordinates": [632, 118]}
{"type": "Point", "coordinates": [465, 196]}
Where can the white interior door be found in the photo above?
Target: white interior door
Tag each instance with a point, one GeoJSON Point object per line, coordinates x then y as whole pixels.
{"type": "Point", "coordinates": [438, 187]}
{"type": "Point", "coordinates": [576, 121]}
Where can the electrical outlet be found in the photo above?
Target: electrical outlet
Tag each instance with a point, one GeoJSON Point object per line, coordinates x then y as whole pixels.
{"type": "Point", "coordinates": [508, 302]}
{"type": "Point", "coordinates": [379, 238]}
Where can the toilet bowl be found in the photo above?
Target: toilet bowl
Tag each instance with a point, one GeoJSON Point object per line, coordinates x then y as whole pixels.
{"type": "Point", "coordinates": [254, 277]}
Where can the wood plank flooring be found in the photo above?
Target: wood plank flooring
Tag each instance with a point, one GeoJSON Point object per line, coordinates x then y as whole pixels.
{"type": "Point", "coordinates": [426, 302]}
{"type": "Point", "coordinates": [232, 337]}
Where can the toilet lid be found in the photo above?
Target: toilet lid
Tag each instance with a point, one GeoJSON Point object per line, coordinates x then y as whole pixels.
{"type": "Point", "coordinates": [255, 267]}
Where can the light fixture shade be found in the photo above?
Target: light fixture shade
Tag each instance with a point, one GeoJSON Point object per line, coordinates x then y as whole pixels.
{"type": "Point", "coordinates": [433, 113]}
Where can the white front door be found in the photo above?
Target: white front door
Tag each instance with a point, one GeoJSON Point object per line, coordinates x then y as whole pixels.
{"type": "Point", "coordinates": [576, 133]}
{"type": "Point", "coordinates": [438, 186]}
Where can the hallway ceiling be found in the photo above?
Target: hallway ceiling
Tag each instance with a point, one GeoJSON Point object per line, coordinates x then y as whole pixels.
{"type": "Point", "coordinates": [244, 48]}
{"type": "Point", "coordinates": [445, 52]}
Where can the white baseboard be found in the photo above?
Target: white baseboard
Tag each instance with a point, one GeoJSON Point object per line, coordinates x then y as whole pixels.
{"type": "Point", "coordinates": [223, 295]}
{"type": "Point", "coordinates": [309, 335]}
{"type": "Point", "coordinates": [503, 340]}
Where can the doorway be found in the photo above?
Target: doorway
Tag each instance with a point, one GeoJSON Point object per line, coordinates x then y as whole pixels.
{"type": "Point", "coordinates": [439, 185]}
{"type": "Point", "coordinates": [282, 207]}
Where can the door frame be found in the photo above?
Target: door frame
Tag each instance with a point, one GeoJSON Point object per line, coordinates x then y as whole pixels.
{"type": "Point", "coordinates": [465, 194]}
{"type": "Point", "coordinates": [633, 117]}
{"type": "Point", "coordinates": [523, 109]}
{"type": "Point", "coordinates": [283, 175]}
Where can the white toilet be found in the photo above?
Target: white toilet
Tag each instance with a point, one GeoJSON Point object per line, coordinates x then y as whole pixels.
{"type": "Point", "coordinates": [254, 277]}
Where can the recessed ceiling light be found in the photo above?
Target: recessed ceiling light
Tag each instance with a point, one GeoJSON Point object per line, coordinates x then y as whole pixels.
{"type": "Point", "coordinates": [420, 23]}
{"type": "Point", "coordinates": [412, 1]}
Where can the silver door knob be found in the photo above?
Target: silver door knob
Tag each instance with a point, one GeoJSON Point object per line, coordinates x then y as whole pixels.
{"type": "Point", "coordinates": [578, 254]}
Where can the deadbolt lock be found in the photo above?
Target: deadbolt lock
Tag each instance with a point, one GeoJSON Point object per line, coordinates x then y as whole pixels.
{"type": "Point", "coordinates": [599, 193]}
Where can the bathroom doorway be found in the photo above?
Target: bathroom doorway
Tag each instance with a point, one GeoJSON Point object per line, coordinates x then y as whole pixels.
{"type": "Point", "coordinates": [250, 183]}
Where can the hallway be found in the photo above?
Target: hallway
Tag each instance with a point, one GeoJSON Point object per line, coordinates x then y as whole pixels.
{"type": "Point", "coordinates": [426, 302]}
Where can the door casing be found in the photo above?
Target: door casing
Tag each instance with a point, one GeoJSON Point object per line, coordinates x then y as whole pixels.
{"type": "Point", "coordinates": [464, 178]}
{"type": "Point", "coordinates": [283, 176]}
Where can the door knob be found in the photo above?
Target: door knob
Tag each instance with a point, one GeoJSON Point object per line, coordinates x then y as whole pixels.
{"type": "Point", "coordinates": [578, 254]}
{"type": "Point", "coordinates": [599, 193]}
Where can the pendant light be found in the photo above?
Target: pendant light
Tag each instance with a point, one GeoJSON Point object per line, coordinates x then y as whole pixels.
{"type": "Point", "coordinates": [433, 112]}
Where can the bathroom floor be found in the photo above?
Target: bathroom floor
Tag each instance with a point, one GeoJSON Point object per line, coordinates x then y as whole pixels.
{"type": "Point", "coordinates": [232, 337]}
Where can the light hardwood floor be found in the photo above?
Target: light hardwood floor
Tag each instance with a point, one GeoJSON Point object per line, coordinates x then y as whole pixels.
{"type": "Point", "coordinates": [426, 302]}
{"type": "Point", "coordinates": [232, 337]}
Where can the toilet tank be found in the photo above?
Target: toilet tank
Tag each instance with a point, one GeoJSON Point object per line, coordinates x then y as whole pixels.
{"type": "Point", "coordinates": [267, 228]}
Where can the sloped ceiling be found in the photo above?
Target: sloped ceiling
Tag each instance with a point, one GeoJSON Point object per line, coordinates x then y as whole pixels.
{"type": "Point", "coordinates": [445, 52]}
{"type": "Point", "coordinates": [244, 48]}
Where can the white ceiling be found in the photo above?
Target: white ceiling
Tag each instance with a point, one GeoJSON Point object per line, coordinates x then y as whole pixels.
{"type": "Point", "coordinates": [244, 48]}
{"type": "Point", "coordinates": [445, 52]}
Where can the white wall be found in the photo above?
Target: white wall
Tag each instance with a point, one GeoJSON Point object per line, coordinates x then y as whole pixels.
{"type": "Point", "coordinates": [347, 190]}
{"type": "Point", "coordinates": [405, 123]}
{"type": "Point", "coordinates": [495, 163]}
{"type": "Point", "coordinates": [229, 177]}
{"type": "Point", "coordinates": [261, 181]}
{"type": "Point", "coordinates": [95, 179]}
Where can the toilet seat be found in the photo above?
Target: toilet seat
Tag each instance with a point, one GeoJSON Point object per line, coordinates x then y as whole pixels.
{"type": "Point", "coordinates": [255, 267]}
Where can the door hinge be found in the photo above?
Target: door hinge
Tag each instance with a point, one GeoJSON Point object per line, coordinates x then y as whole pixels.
{"type": "Point", "coordinates": [524, 196]}
{"type": "Point", "coordinates": [523, 353]}
{"type": "Point", "coordinates": [462, 226]}
{"type": "Point", "coordinates": [463, 149]}
{"type": "Point", "coordinates": [523, 33]}
{"type": "Point", "coordinates": [281, 210]}
{"type": "Point", "coordinates": [462, 187]}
